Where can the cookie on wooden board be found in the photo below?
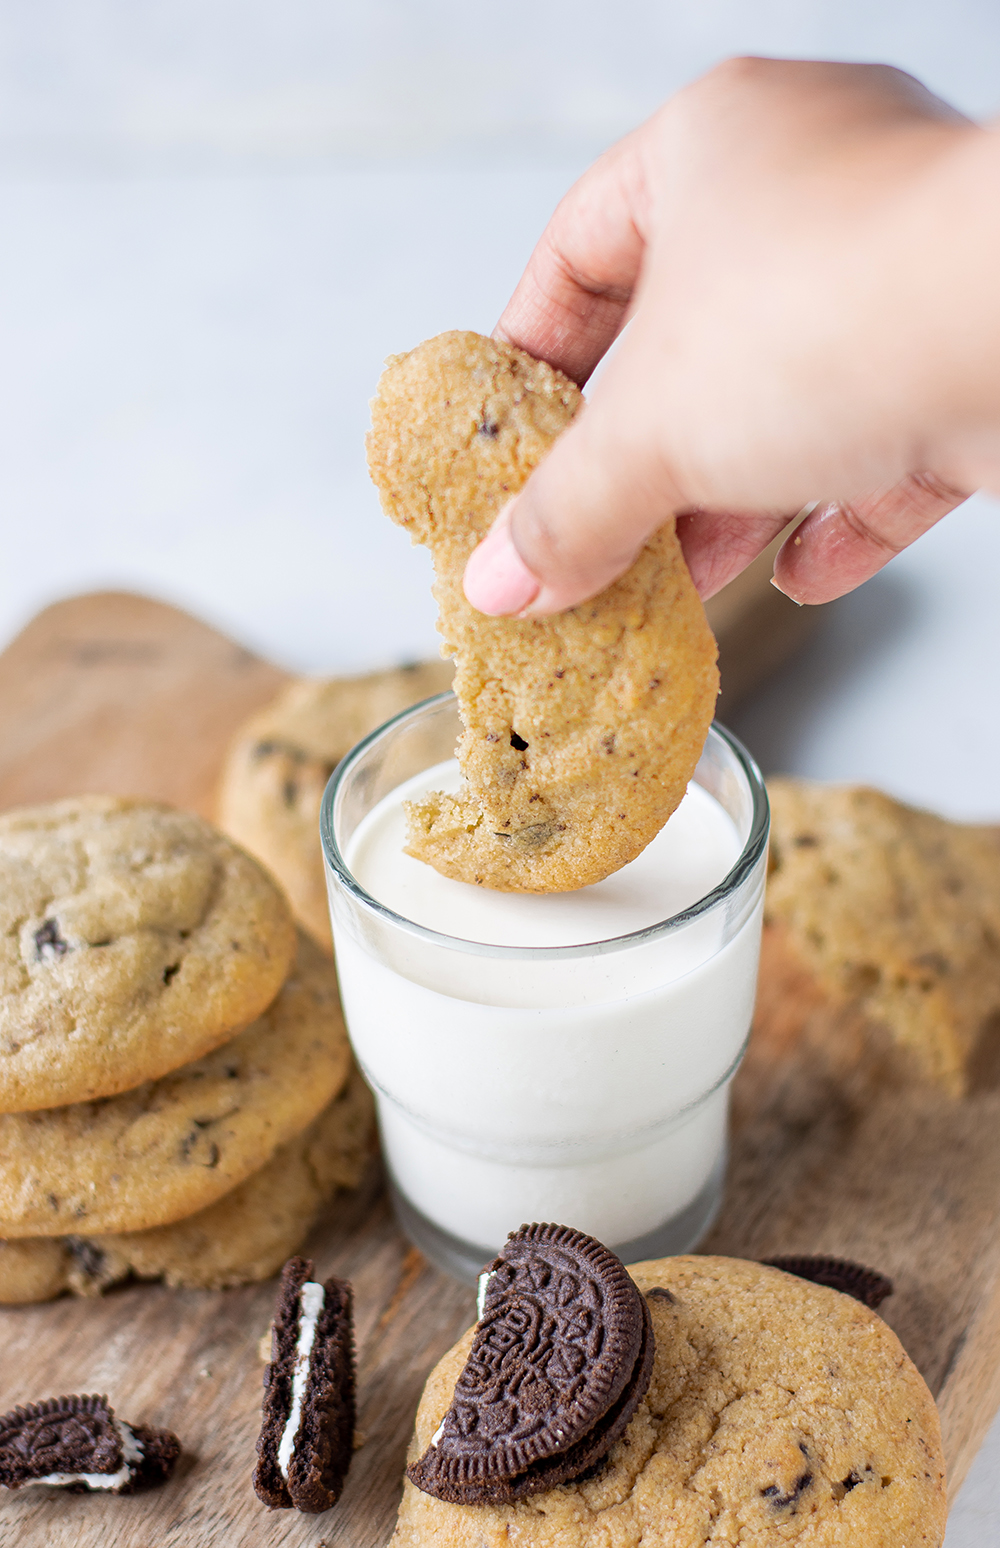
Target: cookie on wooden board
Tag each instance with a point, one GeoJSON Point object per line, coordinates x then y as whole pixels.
{"type": "Point", "coordinates": [175, 1145]}
{"type": "Point", "coordinates": [245, 1236]}
{"type": "Point", "coordinates": [778, 1410]}
{"type": "Point", "coordinates": [134, 938]}
{"type": "Point", "coordinates": [77, 1444]}
{"type": "Point", "coordinates": [282, 758]}
{"type": "Point", "coordinates": [896, 914]}
{"type": "Point", "coordinates": [581, 730]}
{"type": "Point", "coordinates": [561, 1358]}
{"type": "Point", "coordinates": [307, 1422]}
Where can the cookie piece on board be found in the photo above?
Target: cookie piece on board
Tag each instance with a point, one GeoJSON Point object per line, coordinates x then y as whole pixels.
{"type": "Point", "coordinates": [175, 1145]}
{"type": "Point", "coordinates": [77, 1444]}
{"type": "Point", "coordinates": [134, 938]}
{"type": "Point", "coordinates": [896, 914]}
{"type": "Point", "coordinates": [561, 1358]}
{"type": "Point", "coordinates": [866, 1285]}
{"type": "Point", "coordinates": [307, 1429]}
{"type": "Point", "coordinates": [581, 730]}
{"type": "Point", "coordinates": [778, 1411]}
{"type": "Point", "coordinates": [245, 1236]}
{"type": "Point", "coordinates": [282, 758]}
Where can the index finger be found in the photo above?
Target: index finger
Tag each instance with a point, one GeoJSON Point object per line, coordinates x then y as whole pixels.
{"type": "Point", "coordinates": [572, 300]}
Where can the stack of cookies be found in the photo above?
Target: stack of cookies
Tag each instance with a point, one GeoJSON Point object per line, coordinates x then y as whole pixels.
{"type": "Point", "coordinates": [177, 1096]}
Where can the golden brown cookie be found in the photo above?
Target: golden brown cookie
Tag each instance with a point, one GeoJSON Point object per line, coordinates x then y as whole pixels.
{"type": "Point", "coordinates": [175, 1145]}
{"type": "Point", "coordinates": [896, 914]}
{"type": "Point", "coordinates": [134, 938]}
{"type": "Point", "coordinates": [245, 1236]}
{"type": "Point", "coordinates": [779, 1412]}
{"type": "Point", "coordinates": [581, 730]}
{"type": "Point", "coordinates": [282, 758]}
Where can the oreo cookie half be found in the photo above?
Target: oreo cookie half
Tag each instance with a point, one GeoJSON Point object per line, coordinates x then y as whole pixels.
{"type": "Point", "coordinates": [562, 1356]}
{"type": "Point", "coordinates": [77, 1444]}
{"type": "Point", "coordinates": [866, 1285]}
{"type": "Point", "coordinates": [307, 1430]}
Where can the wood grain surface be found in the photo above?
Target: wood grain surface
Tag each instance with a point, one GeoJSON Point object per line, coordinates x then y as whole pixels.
{"type": "Point", "coordinates": [118, 693]}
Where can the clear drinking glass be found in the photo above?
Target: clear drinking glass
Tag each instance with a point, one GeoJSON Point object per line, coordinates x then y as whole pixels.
{"type": "Point", "coordinates": [583, 1084]}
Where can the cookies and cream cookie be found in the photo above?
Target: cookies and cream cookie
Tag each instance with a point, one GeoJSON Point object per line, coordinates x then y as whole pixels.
{"type": "Point", "coordinates": [175, 1145]}
{"type": "Point", "coordinates": [895, 913]}
{"type": "Point", "coordinates": [282, 758]}
{"type": "Point", "coordinates": [243, 1237]}
{"type": "Point", "coordinates": [778, 1411]}
{"type": "Point", "coordinates": [134, 938]}
{"type": "Point", "coordinates": [581, 730]}
{"type": "Point", "coordinates": [78, 1444]}
{"type": "Point", "coordinates": [561, 1358]}
{"type": "Point", "coordinates": [307, 1416]}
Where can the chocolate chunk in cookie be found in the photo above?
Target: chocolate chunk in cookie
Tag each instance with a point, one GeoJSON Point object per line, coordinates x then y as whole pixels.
{"type": "Point", "coordinates": [307, 1430]}
{"type": "Point", "coordinates": [77, 1444]}
{"type": "Point", "coordinates": [582, 729]}
{"type": "Point", "coordinates": [865, 1284]}
{"type": "Point", "coordinates": [560, 1361]}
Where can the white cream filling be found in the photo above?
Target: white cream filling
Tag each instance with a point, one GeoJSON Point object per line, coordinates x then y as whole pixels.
{"type": "Point", "coordinates": [131, 1452]}
{"type": "Point", "coordinates": [311, 1298]}
{"type": "Point", "coordinates": [439, 1431]}
{"type": "Point", "coordinates": [484, 1280]}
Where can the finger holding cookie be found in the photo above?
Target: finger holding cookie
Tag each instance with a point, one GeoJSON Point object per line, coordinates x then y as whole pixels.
{"type": "Point", "coordinates": [805, 330]}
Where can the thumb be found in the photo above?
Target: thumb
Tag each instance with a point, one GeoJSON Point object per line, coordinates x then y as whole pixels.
{"type": "Point", "coordinates": [579, 521]}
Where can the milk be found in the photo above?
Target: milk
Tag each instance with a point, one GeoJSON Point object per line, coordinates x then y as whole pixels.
{"type": "Point", "coordinates": [552, 1057]}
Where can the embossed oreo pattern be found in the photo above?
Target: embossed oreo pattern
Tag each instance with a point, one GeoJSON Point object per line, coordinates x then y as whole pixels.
{"type": "Point", "coordinates": [66, 1434]}
{"type": "Point", "coordinates": [78, 1435]}
{"type": "Point", "coordinates": [865, 1284]}
{"type": "Point", "coordinates": [558, 1343]}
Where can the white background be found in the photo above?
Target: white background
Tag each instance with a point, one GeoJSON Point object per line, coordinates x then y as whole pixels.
{"type": "Point", "coordinates": [218, 216]}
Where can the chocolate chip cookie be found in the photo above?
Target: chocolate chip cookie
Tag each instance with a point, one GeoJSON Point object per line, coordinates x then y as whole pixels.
{"type": "Point", "coordinates": [134, 938]}
{"type": "Point", "coordinates": [245, 1236]}
{"type": "Point", "coordinates": [581, 730]}
{"type": "Point", "coordinates": [896, 914]}
{"type": "Point", "coordinates": [282, 758]}
{"type": "Point", "coordinates": [175, 1145]}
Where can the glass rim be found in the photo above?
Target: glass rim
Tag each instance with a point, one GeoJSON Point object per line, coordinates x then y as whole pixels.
{"type": "Point", "coordinates": [745, 864]}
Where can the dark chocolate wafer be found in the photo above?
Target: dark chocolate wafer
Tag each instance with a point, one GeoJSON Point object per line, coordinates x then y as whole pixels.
{"type": "Point", "coordinates": [307, 1429]}
{"type": "Point", "coordinates": [561, 1359]}
{"type": "Point", "coordinates": [865, 1284]}
{"type": "Point", "coordinates": [76, 1443]}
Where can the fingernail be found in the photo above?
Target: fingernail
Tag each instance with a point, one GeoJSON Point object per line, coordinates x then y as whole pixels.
{"type": "Point", "coordinates": [785, 593]}
{"type": "Point", "coordinates": [497, 580]}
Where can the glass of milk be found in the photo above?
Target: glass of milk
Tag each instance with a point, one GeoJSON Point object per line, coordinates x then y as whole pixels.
{"type": "Point", "coordinates": [560, 1056]}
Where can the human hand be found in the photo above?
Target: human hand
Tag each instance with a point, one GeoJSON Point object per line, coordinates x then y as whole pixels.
{"type": "Point", "coordinates": [782, 239]}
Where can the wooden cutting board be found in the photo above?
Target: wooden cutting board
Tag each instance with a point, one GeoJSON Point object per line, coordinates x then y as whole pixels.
{"type": "Point", "coordinates": [114, 692]}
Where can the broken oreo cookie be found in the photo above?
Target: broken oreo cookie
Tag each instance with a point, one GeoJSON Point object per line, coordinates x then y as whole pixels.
{"type": "Point", "coordinates": [561, 1359]}
{"type": "Point", "coordinates": [307, 1430]}
{"type": "Point", "coordinates": [866, 1285]}
{"type": "Point", "coordinates": [77, 1444]}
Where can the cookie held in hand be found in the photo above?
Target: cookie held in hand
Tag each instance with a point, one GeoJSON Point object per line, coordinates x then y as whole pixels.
{"type": "Point", "coordinates": [307, 1430]}
{"type": "Point", "coordinates": [560, 1361]}
{"type": "Point", "coordinates": [583, 729]}
{"type": "Point", "coordinates": [77, 1444]}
